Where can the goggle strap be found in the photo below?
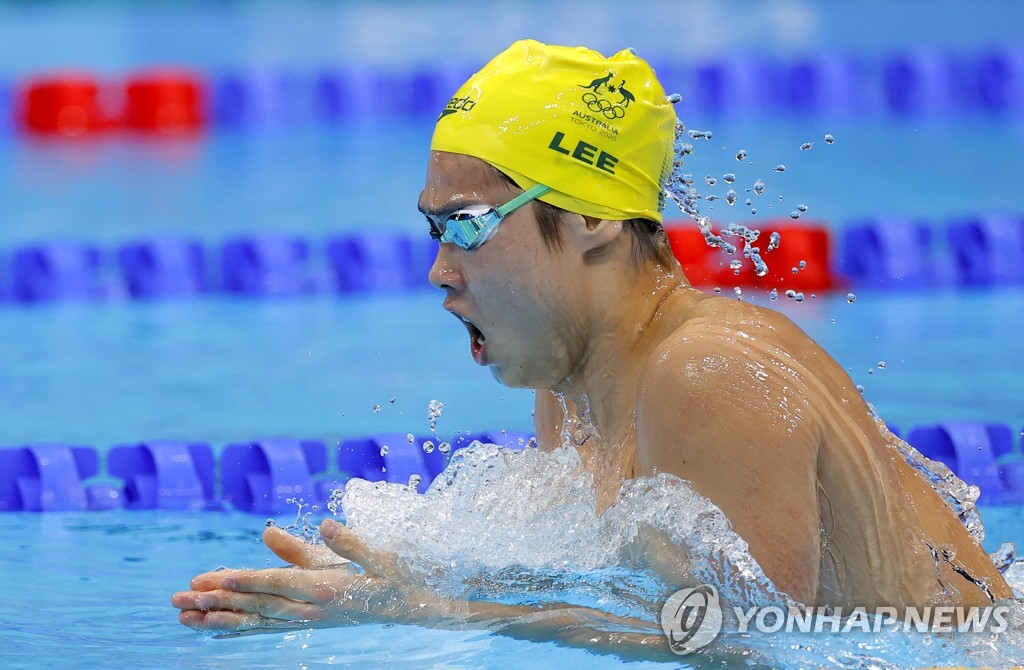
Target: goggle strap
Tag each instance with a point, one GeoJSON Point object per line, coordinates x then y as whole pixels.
{"type": "Point", "coordinates": [521, 199]}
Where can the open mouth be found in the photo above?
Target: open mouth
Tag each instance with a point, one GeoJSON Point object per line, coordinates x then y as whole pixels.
{"type": "Point", "coordinates": [477, 340]}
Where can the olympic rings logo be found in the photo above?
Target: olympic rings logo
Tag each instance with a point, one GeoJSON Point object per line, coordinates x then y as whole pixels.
{"type": "Point", "coordinates": [597, 104]}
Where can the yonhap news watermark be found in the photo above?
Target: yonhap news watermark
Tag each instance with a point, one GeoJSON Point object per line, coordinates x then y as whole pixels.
{"type": "Point", "coordinates": [692, 618]}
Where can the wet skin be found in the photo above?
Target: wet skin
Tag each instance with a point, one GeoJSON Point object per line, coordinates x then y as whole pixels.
{"type": "Point", "coordinates": [655, 377]}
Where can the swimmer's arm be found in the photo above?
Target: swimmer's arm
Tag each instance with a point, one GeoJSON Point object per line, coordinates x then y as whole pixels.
{"type": "Point", "coordinates": [736, 428]}
{"type": "Point", "coordinates": [243, 602]}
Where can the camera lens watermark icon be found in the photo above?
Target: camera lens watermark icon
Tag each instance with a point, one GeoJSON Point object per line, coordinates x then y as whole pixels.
{"type": "Point", "coordinates": [692, 618]}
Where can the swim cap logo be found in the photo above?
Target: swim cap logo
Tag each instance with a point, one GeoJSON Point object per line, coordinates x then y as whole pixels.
{"type": "Point", "coordinates": [691, 618]}
{"type": "Point", "coordinates": [456, 105]}
{"type": "Point", "coordinates": [598, 102]}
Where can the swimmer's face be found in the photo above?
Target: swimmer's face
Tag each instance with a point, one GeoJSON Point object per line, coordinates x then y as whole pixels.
{"type": "Point", "coordinates": [513, 293]}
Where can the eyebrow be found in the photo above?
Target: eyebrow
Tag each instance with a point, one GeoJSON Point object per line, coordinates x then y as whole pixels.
{"type": "Point", "coordinates": [448, 207]}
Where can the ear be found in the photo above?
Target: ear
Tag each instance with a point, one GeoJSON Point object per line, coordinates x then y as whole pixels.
{"type": "Point", "coordinates": [589, 234]}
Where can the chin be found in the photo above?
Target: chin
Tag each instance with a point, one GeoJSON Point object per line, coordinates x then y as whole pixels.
{"type": "Point", "coordinates": [521, 378]}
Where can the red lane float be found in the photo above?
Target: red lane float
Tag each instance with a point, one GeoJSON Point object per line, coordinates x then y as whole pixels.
{"type": "Point", "coordinates": [165, 102]}
{"type": "Point", "coordinates": [709, 266]}
{"type": "Point", "coordinates": [62, 104]}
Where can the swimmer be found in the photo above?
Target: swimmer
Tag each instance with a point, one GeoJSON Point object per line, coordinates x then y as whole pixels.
{"type": "Point", "coordinates": [545, 196]}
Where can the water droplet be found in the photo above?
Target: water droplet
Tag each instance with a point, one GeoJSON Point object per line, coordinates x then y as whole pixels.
{"type": "Point", "coordinates": [414, 482]}
{"type": "Point", "coordinates": [813, 296]}
{"type": "Point", "coordinates": [735, 266]}
{"type": "Point", "coordinates": [711, 198]}
{"type": "Point", "coordinates": [802, 264]}
{"type": "Point", "coordinates": [881, 365]}
{"type": "Point", "coordinates": [384, 450]}
{"type": "Point", "coordinates": [728, 177]}
{"type": "Point", "coordinates": [851, 298]}
{"type": "Point", "coordinates": [444, 447]}
{"type": "Point", "coordinates": [801, 208]}
{"type": "Point", "coordinates": [806, 146]}
{"type": "Point", "coordinates": [829, 139]}
{"type": "Point", "coordinates": [428, 447]}
{"type": "Point", "coordinates": [794, 214]}
{"type": "Point", "coordinates": [748, 202]}
{"type": "Point", "coordinates": [758, 187]}
{"type": "Point", "coordinates": [774, 240]}
{"type": "Point", "coordinates": [675, 98]}
{"type": "Point", "coordinates": [773, 295]}
{"type": "Point", "coordinates": [741, 154]}
{"type": "Point", "coordinates": [799, 297]}
{"type": "Point", "coordinates": [738, 291]}
{"type": "Point", "coordinates": [717, 289]}
{"type": "Point", "coordinates": [795, 270]}
{"type": "Point", "coordinates": [730, 197]}
{"type": "Point", "coordinates": [376, 409]}
{"type": "Point", "coordinates": [790, 294]}
{"type": "Point", "coordinates": [871, 371]}
{"type": "Point", "coordinates": [779, 168]}
{"type": "Point", "coordinates": [860, 389]}
{"type": "Point", "coordinates": [709, 180]}
{"type": "Point", "coordinates": [410, 438]}
{"type": "Point", "coordinates": [753, 210]}
{"type": "Point", "coordinates": [391, 402]}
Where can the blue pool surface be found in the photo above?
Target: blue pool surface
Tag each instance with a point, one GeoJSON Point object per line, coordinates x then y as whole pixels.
{"type": "Point", "coordinates": [92, 589]}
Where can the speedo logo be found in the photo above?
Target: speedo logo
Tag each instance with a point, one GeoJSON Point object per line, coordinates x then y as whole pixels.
{"type": "Point", "coordinates": [457, 105]}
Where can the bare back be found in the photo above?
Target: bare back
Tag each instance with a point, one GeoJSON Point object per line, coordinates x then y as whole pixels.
{"type": "Point", "coordinates": [741, 403]}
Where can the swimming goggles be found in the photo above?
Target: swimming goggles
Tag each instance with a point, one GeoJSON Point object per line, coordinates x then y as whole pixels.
{"type": "Point", "coordinates": [472, 226]}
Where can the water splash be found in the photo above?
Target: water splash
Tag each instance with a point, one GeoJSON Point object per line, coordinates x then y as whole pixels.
{"type": "Point", "coordinates": [434, 410]}
{"type": "Point", "coordinates": [301, 526]}
{"type": "Point", "coordinates": [526, 521]}
{"type": "Point", "coordinates": [522, 527]}
{"type": "Point", "coordinates": [958, 495]}
{"type": "Point", "coordinates": [679, 188]}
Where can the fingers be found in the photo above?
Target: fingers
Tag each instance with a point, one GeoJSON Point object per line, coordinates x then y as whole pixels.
{"type": "Point", "coordinates": [234, 622]}
{"type": "Point", "coordinates": [262, 604]}
{"type": "Point", "coordinates": [347, 544]}
{"type": "Point", "coordinates": [312, 586]}
{"type": "Point", "coordinates": [293, 550]}
{"type": "Point", "coordinates": [209, 581]}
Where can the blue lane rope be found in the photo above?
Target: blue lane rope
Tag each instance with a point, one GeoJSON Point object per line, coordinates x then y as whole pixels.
{"type": "Point", "coordinates": [882, 252]}
{"type": "Point", "coordinates": [263, 476]}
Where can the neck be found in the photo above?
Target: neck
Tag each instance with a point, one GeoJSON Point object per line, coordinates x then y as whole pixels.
{"type": "Point", "coordinates": [627, 319]}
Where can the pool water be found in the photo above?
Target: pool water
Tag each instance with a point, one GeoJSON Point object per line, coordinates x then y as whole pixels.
{"type": "Point", "coordinates": [92, 589]}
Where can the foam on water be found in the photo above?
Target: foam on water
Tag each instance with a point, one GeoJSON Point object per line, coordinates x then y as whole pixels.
{"type": "Point", "coordinates": [500, 512]}
{"type": "Point", "coordinates": [521, 526]}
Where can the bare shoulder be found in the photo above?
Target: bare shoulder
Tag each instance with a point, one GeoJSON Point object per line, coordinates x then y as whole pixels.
{"type": "Point", "coordinates": [725, 379]}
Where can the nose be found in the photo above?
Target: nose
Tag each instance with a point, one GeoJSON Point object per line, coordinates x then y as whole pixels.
{"type": "Point", "coordinates": [446, 272]}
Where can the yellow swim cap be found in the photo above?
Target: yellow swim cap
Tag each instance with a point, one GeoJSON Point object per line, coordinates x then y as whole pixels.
{"type": "Point", "coordinates": [599, 131]}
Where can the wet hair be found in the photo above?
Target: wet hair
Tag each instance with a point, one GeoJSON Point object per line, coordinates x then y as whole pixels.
{"type": "Point", "coordinates": [650, 243]}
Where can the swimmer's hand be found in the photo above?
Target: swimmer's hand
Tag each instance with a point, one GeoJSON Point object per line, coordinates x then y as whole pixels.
{"type": "Point", "coordinates": [326, 589]}
{"type": "Point", "coordinates": [323, 590]}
